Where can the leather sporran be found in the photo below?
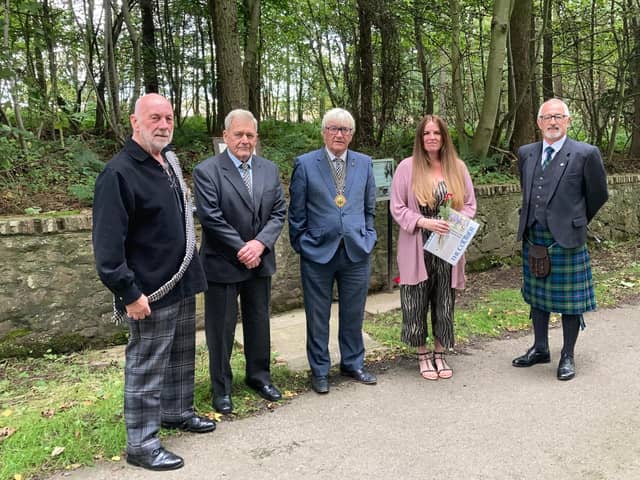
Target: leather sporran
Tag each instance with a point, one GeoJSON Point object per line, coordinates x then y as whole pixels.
{"type": "Point", "coordinates": [539, 262]}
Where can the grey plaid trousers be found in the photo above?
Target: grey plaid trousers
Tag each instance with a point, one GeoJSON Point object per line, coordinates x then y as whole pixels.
{"type": "Point", "coordinates": [159, 373]}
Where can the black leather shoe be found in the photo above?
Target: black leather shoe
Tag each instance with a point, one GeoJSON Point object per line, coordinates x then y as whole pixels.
{"type": "Point", "coordinates": [268, 392]}
{"type": "Point", "coordinates": [320, 384]}
{"type": "Point", "coordinates": [159, 459]}
{"type": "Point", "coordinates": [532, 357]}
{"type": "Point", "coordinates": [566, 368]}
{"type": "Point", "coordinates": [195, 424]}
{"type": "Point", "coordinates": [223, 404]}
{"type": "Point", "coordinates": [360, 375]}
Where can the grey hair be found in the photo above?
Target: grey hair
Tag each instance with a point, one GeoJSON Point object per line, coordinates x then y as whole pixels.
{"type": "Point", "coordinates": [239, 113]}
{"type": "Point", "coordinates": [339, 115]}
{"type": "Point", "coordinates": [555, 100]}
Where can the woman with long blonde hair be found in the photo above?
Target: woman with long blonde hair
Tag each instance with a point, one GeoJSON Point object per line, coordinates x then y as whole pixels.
{"type": "Point", "coordinates": [432, 177]}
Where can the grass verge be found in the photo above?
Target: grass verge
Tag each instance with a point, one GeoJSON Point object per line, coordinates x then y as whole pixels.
{"type": "Point", "coordinates": [64, 411]}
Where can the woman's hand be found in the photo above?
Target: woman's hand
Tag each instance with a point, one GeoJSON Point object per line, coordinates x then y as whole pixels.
{"type": "Point", "coordinates": [434, 224]}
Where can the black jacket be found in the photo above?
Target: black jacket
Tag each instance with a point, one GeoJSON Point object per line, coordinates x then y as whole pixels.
{"type": "Point", "coordinates": [138, 229]}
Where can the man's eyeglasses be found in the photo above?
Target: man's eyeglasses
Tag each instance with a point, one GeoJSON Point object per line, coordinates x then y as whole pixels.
{"type": "Point", "coordinates": [556, 117]}
{"type": "Point", "coordinates": [343, 130]}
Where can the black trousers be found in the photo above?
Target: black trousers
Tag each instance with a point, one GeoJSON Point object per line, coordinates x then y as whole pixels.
{"type": "Point", "coordinates": [221, 314]}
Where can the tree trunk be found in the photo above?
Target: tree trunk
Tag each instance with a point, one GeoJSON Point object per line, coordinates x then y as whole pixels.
{"type": "Point", "coordinates": [134, 37]}
{"type": "Point", "coordinates": [497, 52]}
{"type": "Point", "coordinates": [148, 52]}
{"type": "Point", "coordinates": [634, 76]}
{"type": "Point", "coordinates": [250, 68]}
{"type": "Point", "coordinates": [111, 74]}
{"type": "Point", "coordinates": [524, 129]}
{"type": "Point", "coordinates": [457, 88]}
{"type": "Point", "coordinates": [427, 92]}
{"type": "Point", "coordinates": [547, 52]}
{"type": "Point", "coordinates": [232, 89]}
{"type": "Point", "coordinates": [387, 22]}
{"type": "Point", "coordinates": [364, 130]}
{"type": "Point", "coordinates": [300, 85]}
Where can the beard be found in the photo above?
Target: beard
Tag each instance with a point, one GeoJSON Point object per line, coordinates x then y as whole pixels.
{"type": "Point", "coordinates": [155, 141]}
{"type": "Point", "coordinates": [554, 133]}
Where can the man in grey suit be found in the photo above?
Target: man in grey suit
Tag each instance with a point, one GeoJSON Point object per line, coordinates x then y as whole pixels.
{"type": "Point", "coordinates": [241, 207]}
{"type": "Point", "coordinates": [564, 184]}
{"type": "Point", "coordinates": [331, 226]}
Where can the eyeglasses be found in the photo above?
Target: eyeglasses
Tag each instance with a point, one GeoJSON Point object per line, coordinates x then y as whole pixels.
{"type": "Point", "coordinates": [557, 117]}
{"type": "Point", "coordinates": [343, 130]}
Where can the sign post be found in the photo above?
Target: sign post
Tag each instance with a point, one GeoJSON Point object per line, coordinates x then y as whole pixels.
{"type": "Point", "coordinates": [383, 174]}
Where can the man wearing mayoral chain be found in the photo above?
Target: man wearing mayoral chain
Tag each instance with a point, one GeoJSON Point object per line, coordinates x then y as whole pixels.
{"type": "Point", "coordinates": [331, 213]}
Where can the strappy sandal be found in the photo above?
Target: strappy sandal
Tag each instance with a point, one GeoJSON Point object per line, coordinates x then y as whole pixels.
{"type": "Point", "coordinates": [445, 371]}
{"type": "Point", "coordinates": [429, 373]}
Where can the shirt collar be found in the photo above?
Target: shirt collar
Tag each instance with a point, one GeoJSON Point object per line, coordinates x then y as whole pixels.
{"type": "Point", "coordinates": [236, 161]}
{"type": "Point", "coordinates": [136, 151]}
{"type": "Point", "coordinates": [332, 156]}
{"type": "Point", "coordinates": [557, 146]}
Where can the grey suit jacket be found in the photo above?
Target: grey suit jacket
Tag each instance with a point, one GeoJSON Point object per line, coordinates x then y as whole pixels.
{"type": "Point", "coordinates": [230, 217]}
{"type": "Point", "coordinates": [578, 190]}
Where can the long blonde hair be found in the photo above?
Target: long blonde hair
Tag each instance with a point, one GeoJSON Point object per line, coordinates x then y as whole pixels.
{"type": "Point", "coordinates": [423, 181]}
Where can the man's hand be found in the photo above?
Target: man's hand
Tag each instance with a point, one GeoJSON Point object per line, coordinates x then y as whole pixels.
{"type": "Point", "coordinates": [250, 254]}
{"type": "Point", "coordinates": [139, 309]}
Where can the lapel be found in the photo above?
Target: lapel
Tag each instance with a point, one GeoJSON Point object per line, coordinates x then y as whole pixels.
{"type": "Point", "coordinates": [533, 158]}
{"type": "Point", "coordinates": [232, 175]}
{"type": "Point", "coordinates": [257, 185]}
{"type": "Point", "coordinates": [325, 172]}
{"type": "Point", "coordinates": [351, 168]}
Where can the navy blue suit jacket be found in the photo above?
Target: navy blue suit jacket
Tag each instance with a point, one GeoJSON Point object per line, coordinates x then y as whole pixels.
{"type": "Point", "coordinates": [578, 190]}
{"type": "Point", "coordinates": [316, 223]}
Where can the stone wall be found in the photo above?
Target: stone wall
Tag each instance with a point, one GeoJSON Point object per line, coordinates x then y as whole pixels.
{"type": "Point", "coordinates": [50, 296]}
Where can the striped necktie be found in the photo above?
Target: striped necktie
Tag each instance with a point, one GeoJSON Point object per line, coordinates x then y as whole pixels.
{"type": "Point", "coordinates": [246, 176]}
{"type": "Point", "coordinates": [547, 159]}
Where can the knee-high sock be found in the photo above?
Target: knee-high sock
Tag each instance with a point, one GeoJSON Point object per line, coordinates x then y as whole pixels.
{"type": "Point", "coordinates": [570, 330]}
{"type": "Point", "coordinates": [540, 320]}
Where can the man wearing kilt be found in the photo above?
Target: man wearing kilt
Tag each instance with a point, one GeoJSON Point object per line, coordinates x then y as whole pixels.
{"type": "Point", "coordinates": [563, 186]}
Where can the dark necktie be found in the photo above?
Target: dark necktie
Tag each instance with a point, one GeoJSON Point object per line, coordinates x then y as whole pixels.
{"type": "Point", "coordinates": [246, 176]}
{"type": "Point", "coordinates": [338, 163]}
{"type": "Point", "coordinates": [547, 158]}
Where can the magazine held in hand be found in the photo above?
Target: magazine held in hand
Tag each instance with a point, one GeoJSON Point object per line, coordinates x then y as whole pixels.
{"type": "Point", "coordinates": [451, 246]}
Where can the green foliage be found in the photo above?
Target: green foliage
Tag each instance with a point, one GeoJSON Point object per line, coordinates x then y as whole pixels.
{"type": "Point", "coordinates": [493, 169]}
{"type": "Point", "coordinates": [397, 143]}
{"type": "Point", "coordinates": [75, 402]}
{"type": "Point", "coordinates": [192, 141]}
{"type": "Point", "coordinates": [282, 142]}
{"type": "Point", "coordinates": [85, 167]}
{"type": "Point", "coordinates": [32, 210]}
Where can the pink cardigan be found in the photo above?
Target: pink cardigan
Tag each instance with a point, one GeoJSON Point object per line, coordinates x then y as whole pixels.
{"type": "Point", "coordinates": [406, 212]}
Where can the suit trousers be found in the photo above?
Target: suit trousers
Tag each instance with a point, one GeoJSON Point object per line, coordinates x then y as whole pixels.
{"type": "Point", "coordinates": [221, 316]}
{"type": "Point", "coordinates": [159, 373]}
{"type": "Point", "coordinates": [317, 284]}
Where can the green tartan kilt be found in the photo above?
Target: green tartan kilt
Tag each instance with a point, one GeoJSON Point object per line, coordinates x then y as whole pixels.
{"type": "Point", "coordinates": [569, 287]}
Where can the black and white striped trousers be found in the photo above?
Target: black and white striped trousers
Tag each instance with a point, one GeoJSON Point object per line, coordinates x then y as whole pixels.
{"type": "Point", "coordinates": [436, 294]}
